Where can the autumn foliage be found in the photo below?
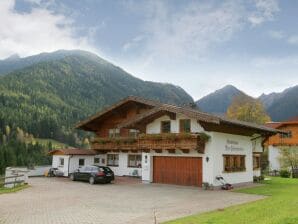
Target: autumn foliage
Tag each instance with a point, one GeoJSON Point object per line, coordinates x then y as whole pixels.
{"type": "Point", "coordinates": [246, 108]}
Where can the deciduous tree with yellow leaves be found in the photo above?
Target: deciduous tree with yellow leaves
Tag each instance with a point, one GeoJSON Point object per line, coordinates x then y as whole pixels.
{"type": "Point", "coordinates": [248, 109]}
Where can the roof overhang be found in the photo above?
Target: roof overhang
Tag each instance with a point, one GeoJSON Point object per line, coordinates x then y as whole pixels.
{"type": "Point", "coordinates": [121, 105]}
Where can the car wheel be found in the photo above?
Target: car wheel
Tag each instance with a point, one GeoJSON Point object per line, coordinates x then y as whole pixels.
{"type": "Point", "coordinates": [72, 177]}
{"type": "Point", "coordinates": [91, 180]}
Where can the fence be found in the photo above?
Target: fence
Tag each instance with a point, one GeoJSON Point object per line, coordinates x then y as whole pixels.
{"type": "Point", "coordinates": [12, 181]}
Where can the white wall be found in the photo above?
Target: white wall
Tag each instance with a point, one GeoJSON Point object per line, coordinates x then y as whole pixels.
{"type": "Point", "coordinates": [273, 157]}
{"type": "Point", "coordinates": [73, 161]}
{"type": "Point", "coordinates": [154, 127]}
{"type": "Point", "coordinates": [215, 149]}
{"type": "Point", "coordinates": [122, 169]}
{"type": "Point", "coordinates": [219, 147]}
{"type": "Point", "coordinates": [56, 163]}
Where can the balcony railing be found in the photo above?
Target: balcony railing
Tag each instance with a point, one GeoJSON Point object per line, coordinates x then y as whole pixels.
{"type": "Point", "coordinates": [157, 142]}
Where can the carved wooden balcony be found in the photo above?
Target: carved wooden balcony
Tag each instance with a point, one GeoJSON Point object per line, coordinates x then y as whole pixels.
{"type": "Point", "coordinates": [156, 142]}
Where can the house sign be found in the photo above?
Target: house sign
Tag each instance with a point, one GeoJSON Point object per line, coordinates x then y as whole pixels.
{"type": "Point", "coordinates": [233, 146]}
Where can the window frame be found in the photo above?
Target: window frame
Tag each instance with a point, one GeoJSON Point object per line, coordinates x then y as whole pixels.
{"type": "Point", "coordinates": [97, 159]}
{"type": "Point", "coordinates": [61, 162]}
{"type": "Point", "coordinates": [114, 164]}
{"type": "Point", "coordinates": [256, 161]}
{"type": "Point", "coordinates": [114, 133]}
{"type": "Point", "coordinates": [136, 160]}
{"type": "Point", "coordinates": [182, 126]}
{"type": "Point", "coordinates": [133, 133]}
{"type": "Point", "coordinates": [234, 163]}
{"type": "Point", "coordinates": [81, 159]}
{"type": "Point", "coordinates": [162, 131]}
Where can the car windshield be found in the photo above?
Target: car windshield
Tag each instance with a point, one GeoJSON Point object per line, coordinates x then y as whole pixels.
{"type": "Point", "coordinates": [106, 169]}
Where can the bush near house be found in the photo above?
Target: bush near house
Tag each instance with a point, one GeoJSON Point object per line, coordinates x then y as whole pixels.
{"type": "Point", "coordinates": [284, 173]}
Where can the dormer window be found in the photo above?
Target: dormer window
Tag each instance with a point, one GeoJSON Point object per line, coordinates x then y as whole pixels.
{"type": "Point", "coordinates": [114, 133]}
{"type": "Point", "coordinates": [165, 127]}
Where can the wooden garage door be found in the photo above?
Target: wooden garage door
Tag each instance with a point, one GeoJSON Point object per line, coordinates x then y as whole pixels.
{"type": "Point", "coordinates": [177, 170]}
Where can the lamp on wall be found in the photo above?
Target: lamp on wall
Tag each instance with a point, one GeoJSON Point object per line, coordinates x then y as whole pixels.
{"type": "Point", "coordinates": [207, 159]}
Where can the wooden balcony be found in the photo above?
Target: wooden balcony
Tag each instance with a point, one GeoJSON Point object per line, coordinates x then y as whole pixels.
{"type": "Point", "coordinates": [156, 142]}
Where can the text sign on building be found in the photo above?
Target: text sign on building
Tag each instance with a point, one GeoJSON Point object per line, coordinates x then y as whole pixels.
{"type": "Point", "coordinates": [233, 146]}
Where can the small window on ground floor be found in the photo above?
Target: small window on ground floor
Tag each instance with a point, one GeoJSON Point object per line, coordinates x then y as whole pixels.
{"type": "Point", "coordinates": [257, 161]}
{"type": "Point", "coordinates": [96, 160]}
{"type": "Point", "coordinates": [113, 159]}
{"type": "Point", "coordinates": [234, 163]}
{"type": "Point", "coordinates": [81, 162]}
{"type": "Point", "coordinates": [61, 162]}
{"type": "Point", "coordinates": [135, 161]}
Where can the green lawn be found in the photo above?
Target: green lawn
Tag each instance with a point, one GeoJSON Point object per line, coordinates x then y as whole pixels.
{"type": "Point", "coordinates": [11, 190]}
{"type": "Point", "coordinates": [281, 207]}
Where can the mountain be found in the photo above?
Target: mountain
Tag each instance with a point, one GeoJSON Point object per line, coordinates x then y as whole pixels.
{"type": "Point", "coordinates": [14, 62]}
{"type": "Point", "coordinates": [48, 93]}
{"type": "Point", "coordinates": [218, 101]}
{"type": "Point", "coordinates": [281, 106]}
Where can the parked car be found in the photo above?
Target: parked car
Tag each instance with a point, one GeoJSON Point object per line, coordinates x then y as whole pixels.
{"type": "Point", "coordinates": [93, 174]}
{"type": "Point", "coordinates": [54, 172]}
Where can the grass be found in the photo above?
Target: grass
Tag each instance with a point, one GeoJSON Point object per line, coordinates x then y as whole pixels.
{"type": "Point", "coordinates": [4, 190]}
{"type": "Point", "coordinates": [280, 207]}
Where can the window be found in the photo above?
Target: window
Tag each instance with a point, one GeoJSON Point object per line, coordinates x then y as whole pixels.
{"type": "Point", "coordinates": [81, 162]}
{"type": "Point", "coordinates": [234, 163]}
{"type": "Point", "coordinates": [184, 126]}
{"type": "Point", "coordinates": [256, 161]}
{"type": "Point", "coordinates": [165, 127]}
{"type": "Point", "coordinates": [113, 159]}
{"type": "Point", "coordinates": [135, 161]}
{"type": "Point", "coordinates": [133, 133]}
{"type": "Point", "coordinates": [114, 133]}
{"type": "Point", "coordinates": [61, 162]}
{"type": "Point", "coordinates": [288, 135]}
{"type": "Point", "coordinates": [96, 160]}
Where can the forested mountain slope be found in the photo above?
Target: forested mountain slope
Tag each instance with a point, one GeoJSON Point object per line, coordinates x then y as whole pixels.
{"type": "Point", "coordinates": [49, 97]}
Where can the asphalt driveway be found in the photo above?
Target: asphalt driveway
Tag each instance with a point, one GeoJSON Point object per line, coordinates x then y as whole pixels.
{"type": "Point", "coordinates": [59, 200]}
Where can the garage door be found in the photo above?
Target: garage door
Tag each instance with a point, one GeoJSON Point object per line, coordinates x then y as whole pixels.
{"type": "Point", "coordinates": [177, 170]}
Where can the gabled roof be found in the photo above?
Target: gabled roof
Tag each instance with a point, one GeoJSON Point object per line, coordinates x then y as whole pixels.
{"type": "Point", "coordinates": [277, 125]}
{"type": "Point", "coordinates": [128, 99]}
{"type": "Point", "coordinates": [72, 151]}
{"type": "Point", "coordinates": [205, 118]}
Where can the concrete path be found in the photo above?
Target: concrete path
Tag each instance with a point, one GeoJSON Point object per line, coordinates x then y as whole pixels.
{"type": "Point", "coordinates": [61, 201]}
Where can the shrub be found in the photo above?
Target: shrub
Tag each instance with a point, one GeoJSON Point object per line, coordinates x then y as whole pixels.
{"type": "Point", "coordinates": [285, 173]}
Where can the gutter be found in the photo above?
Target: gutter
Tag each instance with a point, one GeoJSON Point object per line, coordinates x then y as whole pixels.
{"type": "Point", "coordinates": [70, 156]}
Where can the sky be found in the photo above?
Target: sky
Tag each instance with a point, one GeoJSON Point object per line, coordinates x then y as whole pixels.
{"type": "Point", "coordinates": [198, 45]}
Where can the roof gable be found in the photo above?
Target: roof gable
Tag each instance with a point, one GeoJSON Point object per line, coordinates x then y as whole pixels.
{"type": "Point", "coordinates": [72, 151]}
{"type": "Point", "coordinates": [121, 105]}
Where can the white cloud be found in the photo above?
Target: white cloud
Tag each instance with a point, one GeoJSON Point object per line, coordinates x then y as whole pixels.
{"type": "Point", "coordinates": [276, 34]}
{"type": "Point", "coordinates": [293, 39]}
{"type": "Point", "coordinates": [37, 31]}
{"type": "Point", "coordinates": [189, 31]}
{"type": "Point", "coordinates": [265, 11]}
{"type": "Point", "coordinates": [263, 62]}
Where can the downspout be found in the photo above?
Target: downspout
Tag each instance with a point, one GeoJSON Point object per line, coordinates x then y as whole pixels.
{"type": "Point", "coordinates": [68, 164]}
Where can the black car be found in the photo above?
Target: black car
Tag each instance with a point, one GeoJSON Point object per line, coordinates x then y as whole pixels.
{"type": "Point", "coordinates": [93, 174]}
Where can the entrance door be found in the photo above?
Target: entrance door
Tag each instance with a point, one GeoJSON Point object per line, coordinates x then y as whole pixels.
{"type": "Point", "coordinates": [177, 170]}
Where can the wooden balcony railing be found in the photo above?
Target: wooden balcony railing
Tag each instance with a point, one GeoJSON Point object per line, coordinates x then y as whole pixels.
{"type": "Point", "coordinates": [157, 142]}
